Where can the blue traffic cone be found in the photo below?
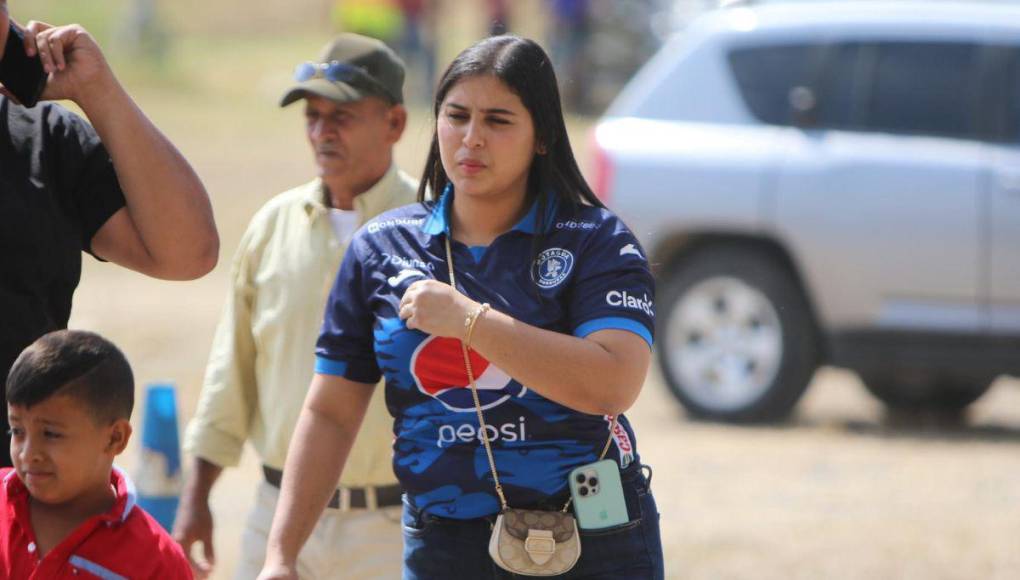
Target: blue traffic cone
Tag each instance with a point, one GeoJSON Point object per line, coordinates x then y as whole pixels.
{"type": "Point", "coordinates": [158, 476]}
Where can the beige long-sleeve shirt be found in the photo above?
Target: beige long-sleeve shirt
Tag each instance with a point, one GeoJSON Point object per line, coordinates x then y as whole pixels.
{"type": "Point", "coordinates": [263, 354]}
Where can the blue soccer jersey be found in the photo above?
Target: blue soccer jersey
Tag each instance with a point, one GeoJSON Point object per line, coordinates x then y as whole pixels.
{"type": "Point", "coordinates": [589, 274]}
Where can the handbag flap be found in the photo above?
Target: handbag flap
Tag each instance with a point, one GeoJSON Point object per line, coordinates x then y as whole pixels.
{"type": "Point", "coordinates": [518, 522]}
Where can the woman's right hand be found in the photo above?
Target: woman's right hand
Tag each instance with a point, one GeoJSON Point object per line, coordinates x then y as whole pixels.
{"type": "Point", "coordinates": [436, 308]}
{"type": "Point", "coordinates": [278, 572]}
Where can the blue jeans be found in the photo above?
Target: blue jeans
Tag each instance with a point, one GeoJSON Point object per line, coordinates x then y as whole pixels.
{"type": "Point", "coordinates": [440, 548]}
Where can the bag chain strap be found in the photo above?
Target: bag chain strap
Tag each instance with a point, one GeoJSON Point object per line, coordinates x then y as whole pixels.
{"type": "Point", "coordinates": [478, 405]}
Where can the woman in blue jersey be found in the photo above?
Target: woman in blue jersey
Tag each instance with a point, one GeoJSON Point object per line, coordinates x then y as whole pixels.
{"type": "Point", "coordinates": [554, 296]}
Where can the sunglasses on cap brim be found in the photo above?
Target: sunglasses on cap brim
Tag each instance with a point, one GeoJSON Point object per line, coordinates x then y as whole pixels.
{"type": "Point", "coordinates": [339, 72]}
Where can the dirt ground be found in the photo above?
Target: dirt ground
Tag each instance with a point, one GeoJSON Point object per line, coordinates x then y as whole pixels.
{"type": "Point", "coordinates": [838, 492]}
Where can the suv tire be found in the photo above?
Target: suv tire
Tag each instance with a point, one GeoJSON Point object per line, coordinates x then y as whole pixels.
{"type": "Point", "coordinates": [737, 341]}
{"type": "Point", "coordinates": [945, 394]}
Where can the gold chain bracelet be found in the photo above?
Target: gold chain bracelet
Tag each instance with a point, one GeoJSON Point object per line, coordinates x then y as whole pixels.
{"type": "Point", "coordinates": [472, 319]}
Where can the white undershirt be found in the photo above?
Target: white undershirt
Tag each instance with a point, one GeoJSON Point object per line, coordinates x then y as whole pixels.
{"type": "Point", "coordinates": [345, 223]}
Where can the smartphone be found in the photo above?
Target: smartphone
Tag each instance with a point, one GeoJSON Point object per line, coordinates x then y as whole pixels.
{"type": "Point", "coordinates": [598, 495]}
{"type": "Point", "coordinates": [21, 75]}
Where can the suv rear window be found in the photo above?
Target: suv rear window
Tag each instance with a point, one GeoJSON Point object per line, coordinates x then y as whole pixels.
{"type": "Point", "coordinates": [766, 74]}
{"type": "Point", "coordinates": [922, 88]}
{"type": "Point", "coordinates": [892, 87]}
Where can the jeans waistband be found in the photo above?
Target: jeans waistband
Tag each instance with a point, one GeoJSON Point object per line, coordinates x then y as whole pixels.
{"type": "Point", "coordinates": [637, 476]}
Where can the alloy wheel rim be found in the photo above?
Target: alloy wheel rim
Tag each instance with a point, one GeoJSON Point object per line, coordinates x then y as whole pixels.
{"type": "Point", "coordinates": [724, 343]}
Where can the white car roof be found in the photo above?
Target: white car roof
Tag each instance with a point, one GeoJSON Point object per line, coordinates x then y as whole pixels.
{"type": "Point", "coordinates": [685, 80]}
{"type": "Point", "coordinates": [942, 20]}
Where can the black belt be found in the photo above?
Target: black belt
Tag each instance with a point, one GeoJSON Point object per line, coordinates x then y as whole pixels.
{"type": "Point", "coordinates": [385, 495]}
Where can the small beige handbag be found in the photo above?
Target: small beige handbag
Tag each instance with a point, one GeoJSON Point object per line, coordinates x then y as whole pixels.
{"type": "Point", "coordinates": [535, 542]}
{"type": "Point", "coordinates": [525, 542]}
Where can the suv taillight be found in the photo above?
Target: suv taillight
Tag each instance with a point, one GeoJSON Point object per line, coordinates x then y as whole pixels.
{"type": "Point", "coordinates": [602, 167]}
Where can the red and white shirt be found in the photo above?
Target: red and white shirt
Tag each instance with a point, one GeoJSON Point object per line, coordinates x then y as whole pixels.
{"type": "Point", "coordinates": [122, 543]}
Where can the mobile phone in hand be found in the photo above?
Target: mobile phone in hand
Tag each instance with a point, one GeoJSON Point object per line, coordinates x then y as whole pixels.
{"type": "Point", "coordinates": [21, 75]}
{"type": "Point", "coordinates": [597, 494]}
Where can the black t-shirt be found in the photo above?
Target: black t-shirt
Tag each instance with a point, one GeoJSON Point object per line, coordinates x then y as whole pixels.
{"type": "Point", "coordinates": [57, 188]}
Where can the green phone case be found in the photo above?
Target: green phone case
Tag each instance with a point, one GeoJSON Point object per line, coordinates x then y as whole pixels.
{"type": "Point", "coordinates": [600, 506]}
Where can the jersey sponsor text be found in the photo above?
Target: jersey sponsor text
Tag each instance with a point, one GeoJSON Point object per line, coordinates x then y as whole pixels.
{"type": "Point", "coordinates": [376, 227]}
{"type": "Point", "coordinates": [575, 225]}
{"type": "Point", "coordinates": [467, 433]}
{"type": "Point", "coordinates": [404, 262]}
{"type": "Point", "coordinates": [627, 300]}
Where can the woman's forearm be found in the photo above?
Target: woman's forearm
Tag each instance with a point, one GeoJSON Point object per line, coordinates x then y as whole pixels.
{"type": "Point", "coordinates": [601, 374]}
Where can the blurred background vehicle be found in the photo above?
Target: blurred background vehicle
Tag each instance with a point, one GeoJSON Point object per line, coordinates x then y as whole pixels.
{"type": "Point", "coordinates": [827, 183]}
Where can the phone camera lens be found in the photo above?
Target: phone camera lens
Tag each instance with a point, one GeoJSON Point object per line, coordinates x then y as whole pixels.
{"type": "Point", "coordinates": [580, 478]}
{"type": "Point", "coordinates": [593, 481]}
{"type": "Point", "coordinates": [583, 491]}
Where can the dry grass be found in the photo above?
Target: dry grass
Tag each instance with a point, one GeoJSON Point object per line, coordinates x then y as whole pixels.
{"type": "Point", "coordinates": [837, 493]}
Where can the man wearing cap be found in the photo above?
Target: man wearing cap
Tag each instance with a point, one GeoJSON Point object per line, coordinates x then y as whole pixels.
{"type": "Point", "coordinates": [263, 354]}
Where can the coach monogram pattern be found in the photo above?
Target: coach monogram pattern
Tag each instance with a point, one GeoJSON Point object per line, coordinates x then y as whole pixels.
{"type": "Point", "coordinates": [535, 543]}
{"type": "Point", "coordinates": [518, 522]}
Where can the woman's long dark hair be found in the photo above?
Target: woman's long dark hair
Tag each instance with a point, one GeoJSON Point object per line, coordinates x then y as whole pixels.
{"type": "Point", "coordinates": [525, 68]}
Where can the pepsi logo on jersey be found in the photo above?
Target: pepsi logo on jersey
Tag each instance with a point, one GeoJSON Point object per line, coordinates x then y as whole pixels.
{"type": "Point", "coordinates": [437, 366]}
{"type": "Point", "coordinates": [468, 433]}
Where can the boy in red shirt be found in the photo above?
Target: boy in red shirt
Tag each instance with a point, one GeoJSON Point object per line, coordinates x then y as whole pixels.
{"type": "Point", "coordinates": [65, 511]}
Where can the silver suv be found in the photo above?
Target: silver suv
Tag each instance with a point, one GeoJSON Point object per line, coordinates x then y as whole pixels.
{"type": "Point", "coordinates": [827, 184]}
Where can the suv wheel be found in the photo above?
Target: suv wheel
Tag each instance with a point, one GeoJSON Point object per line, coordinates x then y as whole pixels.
{"type": "Point", "coordinates": [737, 340]}
{"type": "Point", "coordinates": [939, 394]}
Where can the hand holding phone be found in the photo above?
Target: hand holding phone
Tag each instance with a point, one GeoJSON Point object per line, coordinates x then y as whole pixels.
{"type": "Point", "coordinates": [21, 75]}
{"type": "Point", "coordinates": [597, 494]}
{"type": "Point", "coordinates": [73, 65]}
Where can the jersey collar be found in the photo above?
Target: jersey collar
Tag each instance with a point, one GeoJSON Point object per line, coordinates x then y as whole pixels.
{"type": "Point", "coordinates": [438, 220]}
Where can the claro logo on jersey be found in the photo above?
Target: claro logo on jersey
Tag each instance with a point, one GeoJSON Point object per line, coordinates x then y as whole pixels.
{"type": "Point", "coordinates": [437, 366]}
{"type": "Point", "coordinates": [627, 300]}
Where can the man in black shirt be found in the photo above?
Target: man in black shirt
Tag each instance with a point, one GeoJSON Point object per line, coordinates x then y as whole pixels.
{"type": "Point", "coordinates": [120, 191]}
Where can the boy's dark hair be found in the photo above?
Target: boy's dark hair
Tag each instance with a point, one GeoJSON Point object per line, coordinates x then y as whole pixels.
{"type": "Point", "coordinates": [76, 363]}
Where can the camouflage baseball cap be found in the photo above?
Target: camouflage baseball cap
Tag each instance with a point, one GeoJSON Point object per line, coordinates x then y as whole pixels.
{"type": "Point", "coordinates": [350, 68]}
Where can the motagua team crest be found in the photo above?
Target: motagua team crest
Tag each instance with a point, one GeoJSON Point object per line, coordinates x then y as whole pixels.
{"type": "Point", "coordinates": [552, 267]}
{"type": "Point", "coordinates": [437, 366]}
